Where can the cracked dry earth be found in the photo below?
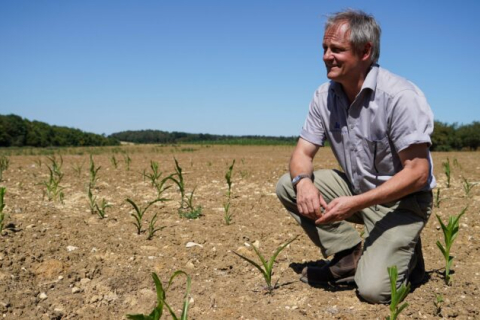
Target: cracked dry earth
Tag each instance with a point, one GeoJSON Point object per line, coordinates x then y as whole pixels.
{"type": "Point", "coordinates": [60, 261]}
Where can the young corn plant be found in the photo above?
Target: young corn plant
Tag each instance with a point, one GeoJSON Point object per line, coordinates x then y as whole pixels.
{"type": "Point", "coordinates": [114, 161]}
{"type": "Point", "coordinates": [438, 305]}
{"type": "Point", "coordinates": [397, 294]}
{"type": "Point", "coordinates": [191, 212]}
{"type": "Point", "coordinates": [154, 175]}
{"type": "Point", "coordinates": [179, 182]}
{"type": "Point", "coordinates": [4, 164]}
{"type": "Point", "coordinates": [226, 206]}
{"type": "Point", "coordinates": [52, 185]}
{"type": "Point", "coordinates": [467, 186]}
{"type": "Point", "coordinates": [128, 160]}
{"type": "Point", "coordinates": [3, 190]}
{"type": "Point", "coordinates": [78, 169]}
{"type": "Point", "coordinates": [92, 200]}
{"type": "Point", "coordinates": [102, 208]}
{"type": "Point", "coordinates": [139, 213]}
{"type": "Point", "coordinates": [157, 312]}
{"type": "Point", "coordinates": [93, 172]}
{"type": "Point", "coordinates": [267, 266]}
{"type": "Point", "coordinates": [438, 199]}
{"type": "Point", "coordinates": [152, 227]}
{"type": "Point", "coordinates": [450, 233]}
{"type": "Point", "coordinates": [161, 186]}
{"type": "Point", "coordinates": [447, 171]}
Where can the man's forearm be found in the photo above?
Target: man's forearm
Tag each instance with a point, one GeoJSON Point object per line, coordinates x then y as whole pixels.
{"type": "Point", "coordinates": [411, 179]}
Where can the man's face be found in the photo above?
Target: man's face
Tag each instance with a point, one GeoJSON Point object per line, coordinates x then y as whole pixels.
{"type": "Point", "coordinates": [342, 63]}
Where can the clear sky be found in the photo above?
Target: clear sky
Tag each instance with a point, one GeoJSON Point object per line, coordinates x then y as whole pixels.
{"type": "Point", "coordinates": [221, 67]}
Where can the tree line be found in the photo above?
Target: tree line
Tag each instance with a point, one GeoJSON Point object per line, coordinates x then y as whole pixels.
{"type": "Point", "coordinates": [18, 132]}
{"type": "Point", "coordinates": [162, 137]}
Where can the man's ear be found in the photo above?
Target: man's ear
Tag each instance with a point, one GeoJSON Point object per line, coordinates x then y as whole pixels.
{"type": "Point", "coordinates": [367, 51]}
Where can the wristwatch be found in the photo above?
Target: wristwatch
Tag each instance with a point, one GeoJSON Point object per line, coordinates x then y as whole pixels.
{"type": "Point", "coordinates": [297, 179]}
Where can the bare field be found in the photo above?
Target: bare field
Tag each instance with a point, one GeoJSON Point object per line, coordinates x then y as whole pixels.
{"type": "Point", "coordinates": [62, 262]}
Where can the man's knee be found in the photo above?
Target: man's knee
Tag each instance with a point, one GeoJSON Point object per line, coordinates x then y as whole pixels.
{"type": "Point", "coordinates": [283, 186]}
{"type": "Point", "coordinates": [374, 290]}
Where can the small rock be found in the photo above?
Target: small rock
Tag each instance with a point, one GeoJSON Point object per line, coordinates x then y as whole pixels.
{"type": "Point", "coordinates": [76, 290]}
{"type": "Point", "coordinates": [95, 298]}
{"type": "Point", "coordinates": [256, 244]}
{"type": "Point", "coordinates": [30, 226]}
{"type": "Point", "coordinates": [43, 296]}
{"type": "Point", "coordinates": [190, 265]}
{"type": "Point", "coordinates": [94, 250]}
{"type": "Point", "coordinates": [71, 248]}
{"type": "Point", "coordinates": [193, 244]}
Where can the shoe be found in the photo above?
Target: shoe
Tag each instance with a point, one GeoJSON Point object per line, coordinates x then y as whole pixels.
{"type": "Point", "coordinates": [341, 270]}
{"type": "Point", "coordinates": [417, 274]}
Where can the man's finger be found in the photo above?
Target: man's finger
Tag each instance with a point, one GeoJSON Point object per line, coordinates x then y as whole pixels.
{"type": "Point", "coordinates": [323, 203]}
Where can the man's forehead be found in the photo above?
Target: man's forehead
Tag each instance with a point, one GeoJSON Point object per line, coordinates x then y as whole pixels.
{"type": "Point", "coordinates": [338, 32]}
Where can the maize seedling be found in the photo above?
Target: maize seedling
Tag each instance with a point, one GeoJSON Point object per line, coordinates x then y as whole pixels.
{"type": "Point", "coordinates": [3, 190]}
{"type": "Point", "coordinates": [155, 175]}
{"type": "Point", "coordinates": [78, 169]}
{"type": "Point", "coordinates": [187, 209]}
{"type": "Point", "coordinates": [438, 199]}
{"type": "Point", "coordinates": [157, 312]}
{"type": "Point", "coordinates": [438, 304]}
{"type": "Point", "coordinates": [228, 178]}
{"type": "Point", "coordinates": [114, 161]}
{"type": "Point", "coordinates": [179, 182]}
{"type": "Point", "coordinates": [93, 172]}
{"type": "Point", "coordinates": [397, 294]}
{"type": "Point", "coordinates": [152, 228]}
{"type": "Point", "coordinates": [450, 233]}
{"type": "Point", "coordinates": [128, 160]}
{"type": "Point", "coordinates": [267, 270]}
{"type": "Point", "coordinates": [467, 186]}
{"type": "Point", "coordinates": [139, 213]}
{"type": "Point", "coordinates": [446, 170]}
{"type": "Point", "coordinates": [4, 164]}
{"type": "Point", "coordinates": [52, 185]}
{"type": "Point", "coordinates": [226, 206]}
{"type": "Point", "coordinates": [102, 208]}
{"type": "Point", "coordinates": [91, 200]}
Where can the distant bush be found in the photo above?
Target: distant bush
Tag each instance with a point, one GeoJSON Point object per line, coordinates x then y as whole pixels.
{"type": "Point", "coordinates": [448, 137]}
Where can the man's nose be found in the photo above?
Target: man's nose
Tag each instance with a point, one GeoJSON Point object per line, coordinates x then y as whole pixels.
{"type": "Point", "coordinates": [327, 55]}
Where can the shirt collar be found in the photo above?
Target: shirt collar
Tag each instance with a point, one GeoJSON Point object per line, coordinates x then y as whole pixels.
{"type": "Point", "coordinates": [369, 83]}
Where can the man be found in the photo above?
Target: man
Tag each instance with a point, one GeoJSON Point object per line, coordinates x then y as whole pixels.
{"type": "Point", "coordinates": [379, 126]}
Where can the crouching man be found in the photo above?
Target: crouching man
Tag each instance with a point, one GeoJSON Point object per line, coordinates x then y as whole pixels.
{"type": "Point", "coordinates": [379, 126]}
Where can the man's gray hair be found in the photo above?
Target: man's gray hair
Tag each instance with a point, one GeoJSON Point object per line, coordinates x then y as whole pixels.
{"type": "Point", "coordinates": [363, 29]}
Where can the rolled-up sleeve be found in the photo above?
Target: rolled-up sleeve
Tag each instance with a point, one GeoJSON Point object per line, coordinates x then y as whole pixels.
{"type": "Point", "coordinates": [411, 120]}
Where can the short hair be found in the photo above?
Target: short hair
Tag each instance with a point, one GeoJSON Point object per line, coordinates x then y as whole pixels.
{"type": "Point", "coordinates": [363, 29]}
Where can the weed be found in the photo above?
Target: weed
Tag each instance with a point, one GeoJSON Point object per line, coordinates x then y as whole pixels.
{"type": "Point", "coordinates": [446, 170]}
{"type": "Point", "coordinates": [114, 161]}
{"type": "Point", "coordinates": [102, 208]}
{"type": "Point", "coordinates": [267, 269]}
{"type": "Point", "coordinates": [157, 312]}
{"type": "Point", "coordinates": [4, 164]}
{"type": "Point", "coordinates": [3, 190]}
{"type": "Point", "coordinates": [139, 213]}
{"type": "Point", "coordinates": [397, 294]}
{"type": "Point", "coordinates": [52, 185]}
{"type": "Point", "coordinates": [450, 233]}
{"type": "Point", "coordinates": [467, 186]}
{"type": "Point", "coordinates": [152, 228]}
{"type": "Point", "coordinates": [93, 172]}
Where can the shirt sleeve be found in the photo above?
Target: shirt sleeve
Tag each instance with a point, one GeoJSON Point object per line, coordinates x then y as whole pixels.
{"type": "Point", "coordinates": [411, 120]}
{"type": "Point", "coordinates": [313, 129]}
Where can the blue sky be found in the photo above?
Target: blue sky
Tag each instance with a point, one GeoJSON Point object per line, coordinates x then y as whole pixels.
{"type": "Point", "coordinates": [220, 67]}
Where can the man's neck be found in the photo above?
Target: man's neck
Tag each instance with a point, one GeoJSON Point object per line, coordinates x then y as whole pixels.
{"type": "Point", "coordinates": [352, 88]}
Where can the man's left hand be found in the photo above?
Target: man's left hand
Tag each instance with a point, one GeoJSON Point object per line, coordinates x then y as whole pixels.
{"type": "Point", "coordinates": [338, 209]}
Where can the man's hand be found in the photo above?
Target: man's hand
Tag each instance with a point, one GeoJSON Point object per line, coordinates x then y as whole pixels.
{"type": "Point", "coordinates": [309, 200]}
{"type": "Point", "coordinates": [338, 210]}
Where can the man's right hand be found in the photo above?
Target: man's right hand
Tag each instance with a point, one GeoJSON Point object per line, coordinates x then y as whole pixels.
{"type": "Point", "coordinates": [309, 200]}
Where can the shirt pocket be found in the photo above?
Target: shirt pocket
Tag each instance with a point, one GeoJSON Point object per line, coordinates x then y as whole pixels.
{"type": "Point", "coordinates": [377, 156]}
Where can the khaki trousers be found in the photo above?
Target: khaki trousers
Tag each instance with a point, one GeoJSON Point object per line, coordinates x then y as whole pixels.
{"type": "Point", "coordinates": [391, 232]}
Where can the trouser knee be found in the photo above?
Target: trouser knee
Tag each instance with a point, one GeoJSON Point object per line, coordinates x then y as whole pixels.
{"type": "Point", "coordinates": [283, 186]}
{"type": "Point", "coordinates": [374, 292]}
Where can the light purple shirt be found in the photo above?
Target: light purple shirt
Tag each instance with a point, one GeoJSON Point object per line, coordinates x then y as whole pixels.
{"type": "Point", "coordinates": [388, 115]}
